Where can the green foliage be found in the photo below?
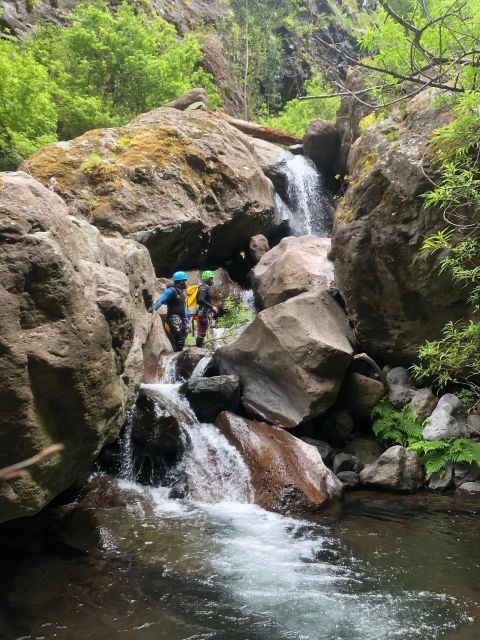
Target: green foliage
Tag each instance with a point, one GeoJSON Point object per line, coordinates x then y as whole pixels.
{"type": "Point", "coordinates": [235, 314]}
{"type": "Point", "coordinates": [395, 426]}
{"type": "Point", "coordinates": [28, 117]}
{"type": "Point", "coordinates": [436, 454]}
{"type": "Point", "coordinates": [400, 426]}
{"type": "Point", "coordinates": [102, 70]}
{"type": "Point", "coordinates": [455, 358]}
{"type": "Point", "coordinates": [431, 34]}
{"type": "Point", "coordinates": [296, 114]}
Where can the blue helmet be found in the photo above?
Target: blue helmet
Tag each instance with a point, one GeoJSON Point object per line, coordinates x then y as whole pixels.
{"type": "Point", "coordinates": [179, 275]}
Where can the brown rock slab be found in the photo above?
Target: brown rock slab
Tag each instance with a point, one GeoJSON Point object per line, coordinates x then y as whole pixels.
{"type": "Point", "coordinates": [288, 475]}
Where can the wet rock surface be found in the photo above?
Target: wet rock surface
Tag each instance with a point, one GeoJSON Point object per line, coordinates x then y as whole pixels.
{"type": "Point", "coordinates": [209, 396]}
{"type": "Point", "coordinates": [321, 143]}
{"type": "Point", "coordinates": [288, 475]}
{"type": "Point", "coordinates": [74, 324]}
{"type": "Point", "coordinates": [291, 359]}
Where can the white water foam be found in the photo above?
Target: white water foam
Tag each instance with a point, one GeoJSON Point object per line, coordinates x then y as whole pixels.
{"type": "Point", "coordinates": [309, 206]}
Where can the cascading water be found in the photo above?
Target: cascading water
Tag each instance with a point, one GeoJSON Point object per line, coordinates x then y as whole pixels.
{"type": "Point", "coordinates": [308, 207]}
{"type": "Point", "coordinates": [215, 566]}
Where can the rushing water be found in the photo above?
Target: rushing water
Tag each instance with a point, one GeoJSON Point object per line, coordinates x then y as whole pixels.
{"type": "Point", "coordinates": [308, 207]}
{"type": "Point", "coordinates": [141, 564]}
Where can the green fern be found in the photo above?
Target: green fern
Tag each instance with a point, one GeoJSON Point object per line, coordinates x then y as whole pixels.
{"type": "Point", "coordinates": [436, 454]}
{"type": "Point", "coordinates": [398, 426]}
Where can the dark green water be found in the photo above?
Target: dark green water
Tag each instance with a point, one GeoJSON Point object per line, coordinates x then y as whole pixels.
{"type": "Point", "coordinates": [376, 567]}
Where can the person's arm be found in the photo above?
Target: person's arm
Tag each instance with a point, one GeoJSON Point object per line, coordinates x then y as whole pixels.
{"type": "Point", "coordinates": [166, 295]}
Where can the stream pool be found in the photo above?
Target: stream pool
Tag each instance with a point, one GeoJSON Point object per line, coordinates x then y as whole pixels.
{"type": "Point", "coordinates": [148, 567]}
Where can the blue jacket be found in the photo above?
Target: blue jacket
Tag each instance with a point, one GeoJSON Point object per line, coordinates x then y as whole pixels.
{"type": "Point", "coordinates": [167, 295]}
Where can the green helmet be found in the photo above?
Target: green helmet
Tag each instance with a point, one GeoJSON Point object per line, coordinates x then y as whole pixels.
{"type": "Point", "coordinates": [207, 275]}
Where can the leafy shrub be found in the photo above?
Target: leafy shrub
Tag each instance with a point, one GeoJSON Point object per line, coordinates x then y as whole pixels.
{"type": "Point", "coordinates": [395, 426]}
{"type": "Point", "coordinates": [400, 426]}
{"type": "Point", "coordinates": [436, 454]}
{"type": "Point", "coordinates": [235, 314]}
{"type": "Point", "coordinates": [297, 114]}
{"type": "Point", "coordinates": [102, 70]}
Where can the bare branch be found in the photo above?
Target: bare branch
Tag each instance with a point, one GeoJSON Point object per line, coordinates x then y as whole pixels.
{"type": "Point", "coordinates": [18, 470]}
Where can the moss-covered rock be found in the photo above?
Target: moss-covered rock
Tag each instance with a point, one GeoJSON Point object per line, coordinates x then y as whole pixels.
{"type": "Point", "coordinates": [184, 184]}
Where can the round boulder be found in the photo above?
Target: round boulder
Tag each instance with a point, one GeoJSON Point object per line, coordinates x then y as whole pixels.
{"type": "Point", "coordinates": [321, 143]}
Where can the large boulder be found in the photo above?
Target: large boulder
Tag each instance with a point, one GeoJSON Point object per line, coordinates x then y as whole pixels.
{"type": "Point", "coordinates": [395, 299]}
{"type": "Point", "coordinates": [291, 359]}
{"type": "Point", "coordinates": [74, 322]}
{"type": "Point", "coordinates": [295, 265]}
{"type": "Point", "coordinates": [448, 420]}
{"type": "Point", "coordinates": [183, 183]}
{"type": "Point", "coordinates": [396, 470]}
{"type": "Point", "coordinates": [287, 474]}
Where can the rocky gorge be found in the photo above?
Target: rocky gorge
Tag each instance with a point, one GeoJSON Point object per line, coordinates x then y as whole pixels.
{"type": "Point", "coordinates": [275, 415]}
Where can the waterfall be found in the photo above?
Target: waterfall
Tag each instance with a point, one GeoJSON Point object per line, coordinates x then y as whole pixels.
{"type": "Point", "coordinates": [201, 367]}
{"type": "Point", "coordinates": [214, 469]}
{"type": "Point", "coordinates": [308, 207]}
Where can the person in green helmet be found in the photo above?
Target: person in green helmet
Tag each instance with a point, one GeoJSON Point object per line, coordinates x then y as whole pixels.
{"type": "Point", "coordinates": [205, 307]}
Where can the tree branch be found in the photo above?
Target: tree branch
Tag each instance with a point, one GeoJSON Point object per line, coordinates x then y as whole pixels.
{"type": "Point", "coordinates": [18, 470]}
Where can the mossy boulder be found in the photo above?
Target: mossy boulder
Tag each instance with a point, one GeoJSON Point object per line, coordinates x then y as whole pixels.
{"type": "Point", "coordinates": [395, 299]}
{"type": "Point", "coordinates": [183, 183]}
{"type": "Point", "coordinates": [74, 323]}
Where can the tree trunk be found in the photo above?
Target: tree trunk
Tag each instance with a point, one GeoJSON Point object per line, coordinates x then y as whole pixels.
{"type": "Point", "coordinates": [259, 131]}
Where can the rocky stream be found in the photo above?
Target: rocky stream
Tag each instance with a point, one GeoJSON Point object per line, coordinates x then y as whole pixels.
{"type": "Point", "coordinates": [233, 492]}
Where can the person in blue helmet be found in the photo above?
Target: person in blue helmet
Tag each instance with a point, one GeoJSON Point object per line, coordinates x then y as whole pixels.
{"type": "Point", "coordinates": [177, 316]}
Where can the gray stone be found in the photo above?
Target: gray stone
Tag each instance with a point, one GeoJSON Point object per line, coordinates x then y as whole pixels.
{"type": "Point", "coordinates": [423, 403]}
{"type": "Point", "coordinates": [209, 396]}
{"type": "Point", "coordinates": [185, 184]}
{"type": "Point", "coordinates": [291, 359]}
{"type": "Point", "coordinates": [444, 482]}
{"type": "Point", "coordinates": [296, 149]}
{"type": "Point", "coordinates": [465, 472]}
{"type": "Point", "coordinates": [295, 265]}
{"type": "Point", "coordinates": [470, 487]}
{"type": "Point", "coordinates": [397, 470]}
{"type": "Point", "coordinates": [359, 394]}
{"type": "Point", "coordinates": [367, 450]}
{"type": "Point", "coordinates": [345, 462]}
{"type": "Point", "coordinates": [399, 388]}
{"type": "Point", "coordinates": [257, 247]}
{"type": "Point", "coordinates": [448, 420]}
{"type": "Point", "coordinates": [349, 479]}
{"type": "Point", "coordinates": [321, 143]}
{"type": "Point", "coordinates": [394, 301]}
{"type": "Point", "coordinates": [324, 449]}
{"type": "Point", "coordinates": [473, 425]}
{"type": "Point", "coordinates": [187, 360]}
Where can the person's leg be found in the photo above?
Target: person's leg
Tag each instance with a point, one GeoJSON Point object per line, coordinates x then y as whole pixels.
{"type": "Point", "coordinates": [202, 327]}
{"type": "Point", "coordinates": [177, 328]}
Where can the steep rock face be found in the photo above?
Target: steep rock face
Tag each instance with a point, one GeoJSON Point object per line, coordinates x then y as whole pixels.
{"type": "Point", "coordinates": [395, 299]}
{"type": "Point", "coordinates": [291, 359]}
{"type": "Point", "coordinates": [183, 183]}
{"type": "Point", "coordinates": [73, 326]}
{"type": "Point", "coordinates": [295, 265]}
{"type": "Point", "coordinates": [21, 16]}
{"type": "Point", "coordinates": [288, 475]}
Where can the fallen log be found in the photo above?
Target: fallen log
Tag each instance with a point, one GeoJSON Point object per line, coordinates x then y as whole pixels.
{"type": "Point", "coordinates": [259, 131]}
